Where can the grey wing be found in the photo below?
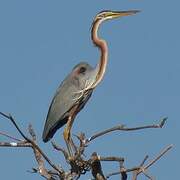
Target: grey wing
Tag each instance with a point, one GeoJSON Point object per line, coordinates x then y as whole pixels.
{"type": "Point", "coordinates": [64, 99]}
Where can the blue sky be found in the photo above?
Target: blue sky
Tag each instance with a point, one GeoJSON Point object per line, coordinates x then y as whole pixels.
{"type": "Point", "coordinates": [40, 42]}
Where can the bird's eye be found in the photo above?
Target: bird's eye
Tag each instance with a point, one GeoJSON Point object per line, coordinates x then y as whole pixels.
{"type": "Point", "coordinates": [82, 70]}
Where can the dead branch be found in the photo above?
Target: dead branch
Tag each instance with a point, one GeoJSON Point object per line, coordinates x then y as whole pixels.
{"type": "Point", "coordinates": [142, 168]}
{"type": "Point", "coordinates": [78, 163]}
{"type": "Point", "coordinates": [123, 128]}
{"type": "Point", "coordinates": [122, 170]}
{"type": "Point", "coordinates": [82, 144]}
{"type": "Point", "coordinates": [41, 167]}
{"type": "Point", "coordinates": [15, 144]}
{"type": "Point", "coordinates": [111, 158]}
{"type": "Point", "coordinates": [135, 173]}
{"type": "Point", "coordinates": [10, 137]}
{"type": "Point", "coordinates": [96, 167]}
{"type": "Point", "coordinates": [58, 148]}
{"type": "Point", "coordinates": [34, 145]}
{"type": "Point", "coordinates": [164, 151]}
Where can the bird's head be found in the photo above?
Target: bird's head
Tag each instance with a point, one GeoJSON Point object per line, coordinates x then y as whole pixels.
{"type": "Point", "coordinates": [107, 15]}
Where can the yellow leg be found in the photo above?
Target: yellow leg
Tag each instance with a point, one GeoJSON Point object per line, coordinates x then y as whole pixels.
{"type": "Point", "coordinates": [67, 137]}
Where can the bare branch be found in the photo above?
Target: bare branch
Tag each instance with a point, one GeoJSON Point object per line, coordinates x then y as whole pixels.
{"type": "Point", "coordinates": [77, 162]}
{"type": "Point", "coordinates": [58, 148]}
{"type": "Point", "coordinates": [53, 173]}
{"type": "Point", "coordinates": [142, 168]}
{"type": "Point", "coordinates": [41, 168]}
{"type": "Point", "coordinates": [112, 174]}
{"type": "Point", "coordinates": [123, 171]}
{"type": "Point", "coordinates": [119, 172]}
{"type": "Point", "coordinates": [14, 123]}
{"type": "Point", "coordinates": [61, 171]}
{"type": "Point", "coordinates": [31, 132]}
{"type": "Point", "coordinates": [135, 172]}
{"type": "Point", "coordinates": [96, 167]}
{"type": "Point", "coordinates": [15, 144]}
{"type": "Point", "coordinates": [123, 128]}
{"type": "Point", "coordinates": [144, 160]}
{"type": "Point", "coordinates": [82, 144]}
{"type": "Point", "coordinates": [111, 158]}
{"type": "Point", "coordinates": [148, 176]}
{"type": "Point", "coordinates": [164, 151]}
{"type": "Point", "coordinates": [9, 136]}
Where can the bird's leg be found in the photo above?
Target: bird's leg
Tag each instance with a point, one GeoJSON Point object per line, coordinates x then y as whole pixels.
{"type": "Point", "coordinates": [72, 144]}
{"type": "Point", "coordinates": [67, 136]}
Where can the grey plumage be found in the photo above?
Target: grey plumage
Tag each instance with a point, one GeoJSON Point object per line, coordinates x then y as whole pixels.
{"type": "Point", "coordinates": [66, 97]}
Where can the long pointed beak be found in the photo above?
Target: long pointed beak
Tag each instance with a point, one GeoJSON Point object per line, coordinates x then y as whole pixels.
{"type": "Point", "coordinates": [116, 14]}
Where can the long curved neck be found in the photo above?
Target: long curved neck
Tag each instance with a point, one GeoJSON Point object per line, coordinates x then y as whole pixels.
{"type": "Point", "coordinates": [102, 45]}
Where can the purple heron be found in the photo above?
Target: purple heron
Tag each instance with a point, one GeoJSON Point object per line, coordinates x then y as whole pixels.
{"type": "Point", "coordinates": [77, 87]}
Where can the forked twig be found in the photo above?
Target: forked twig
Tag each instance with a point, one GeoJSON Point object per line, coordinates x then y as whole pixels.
{"type": "Point", "coordinates": [164, 151]}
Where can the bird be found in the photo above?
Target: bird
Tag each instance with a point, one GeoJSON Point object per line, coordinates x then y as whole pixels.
{"type": "Point", "coordinates": [76, 89]}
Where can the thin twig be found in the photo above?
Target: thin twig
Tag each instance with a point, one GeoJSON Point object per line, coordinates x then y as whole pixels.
{"type": "Point", "coordinates": [119, 172]}
{"type": "Point", "coordinates": [9, 136]}
{"type": "Point", "coordinates": [32, 133]}
{"type": "Point", "coordinates": [14, 123]}
{"type": "Point", "coordinates": [53, 173]}
{"type": "Point", "coordinates": [144, 160]}
{"type": "Point", "coordinates": [164, 151]}
{"type": "Point", "coordinates": [123, 128]}
{"type": "Point", "coordinates": [135, 173]}
{"type": "Point", "coordinates": [113, 174]}
{"type": "Point", "coordinates": [58, 148]}
{"type": "Point", "coordinates": [148, 176]}
{"type": "Point", "coordinates": [111, 158]}
{"type": "Point", "coordinates": [82, 144]}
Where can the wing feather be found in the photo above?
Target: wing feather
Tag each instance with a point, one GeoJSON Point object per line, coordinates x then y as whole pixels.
{"type": "Point", "coordinates": [65, 98]}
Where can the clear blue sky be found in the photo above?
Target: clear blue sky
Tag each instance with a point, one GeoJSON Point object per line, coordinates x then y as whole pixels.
{"type": "Point", "coordinates": [40, 42]}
